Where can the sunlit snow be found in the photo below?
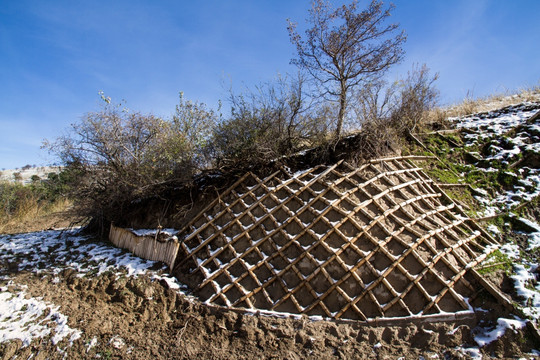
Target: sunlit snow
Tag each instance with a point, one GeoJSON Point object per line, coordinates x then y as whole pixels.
{"type": "Point", "coordinates": [50, 252]}
{"type": "Point", "coordinates": [500, 126]}
{"type": "Point", "coordinates": [28, 318]}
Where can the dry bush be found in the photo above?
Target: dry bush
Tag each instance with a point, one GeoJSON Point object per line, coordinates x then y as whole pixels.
{"type": "Point", "coordinates": [116, 156]}
{"type": "Point", "coordinates": [273, 122]}
{"type": "Point", "coordinates": [16, 199]}
{"type": "Point", "coordinates": [118, 159]}
{"type": "Point", "coordinates": [386, 113]}
{"type": "Point", "coordinates": [471, 105]}
{"type": "Point", "coordinates": [38, 217]}
{"type": "Point", "coordinates": [417, 95]}
{"type": "Point", "coordinates": [437, 119]}
{"type": "Point", "coordinates": [25, 203]}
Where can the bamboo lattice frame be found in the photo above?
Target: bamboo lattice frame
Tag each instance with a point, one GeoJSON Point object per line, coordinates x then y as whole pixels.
{"type": "Point", "coordinates": [361, 243]}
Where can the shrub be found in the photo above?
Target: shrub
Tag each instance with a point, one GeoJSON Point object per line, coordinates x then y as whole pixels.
{"type": "Point", "coordinates": [16, 200]}
{"type": "Point", "coordinates": [416, 97]}
{"type": "Point", "coordinates": [385, 113]}
{"type": "Point", "coordinates": [265, 125]}
{"type": "Point", "coordinates": [12, 195]}
{"type": "Point", "coordinates": [20, 203]}
{"type": "Point", "coordinates": [17, 176]}
{"type": "Point", "coordinates": [115, 156]}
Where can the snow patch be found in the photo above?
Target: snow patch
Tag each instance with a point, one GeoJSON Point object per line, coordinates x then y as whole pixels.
{"type": "Point", "coordinates": [117, 342]}
{"type": "Point", "coordinates": [486, 337]}
{"type": "Point", "coordinates": [472, 352]}
{"type": "Point", "coordinates": [91, 344]}
{"type": "Point", "coordinates": [493, 229]}
{"type": "Point", "coordinates": [523, 282]}
{"type": "Point", "coordinates": [153, 232]}
{"type": "Point", "coordinates": [30, 318]}
{"type": "Point", "coordinates": [510, 250]}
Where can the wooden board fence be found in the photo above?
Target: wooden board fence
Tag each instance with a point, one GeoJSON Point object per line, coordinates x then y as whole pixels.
{"type": "Point", "coordinates": [158, 247]}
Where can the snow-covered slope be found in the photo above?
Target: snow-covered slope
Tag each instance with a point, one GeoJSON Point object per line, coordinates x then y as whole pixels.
{"type": "Point", "coordinates": [506, 142]}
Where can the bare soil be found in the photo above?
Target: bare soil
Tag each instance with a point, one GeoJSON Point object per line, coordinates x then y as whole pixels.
{"type": "Point", "coordinates": [141, 318]}
{"type": "Point", "coordinates": [155, 322]}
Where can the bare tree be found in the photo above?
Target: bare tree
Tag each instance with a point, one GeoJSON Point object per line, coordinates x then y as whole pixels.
{"type": "Point", "coordinates": [346, 47]}
{"type": "Point", "coordinates": [120, 156]}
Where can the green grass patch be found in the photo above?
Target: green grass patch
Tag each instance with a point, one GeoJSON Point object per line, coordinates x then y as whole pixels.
{"type": "Point", "coordinates": [500, 221]}
{"type": "Point", "coordinates": [454, 138]}
{"type": "Point", "coordinates": [483, 179]}
{"type": "Point", "coordinates": [464, 196]}
{"type": "Point", "coordinates": [443, 176]}
{"type": "Point", "coordinates": [496, 261]}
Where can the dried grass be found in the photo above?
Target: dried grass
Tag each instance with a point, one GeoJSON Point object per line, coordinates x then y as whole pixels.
{"type": "Point", "coordinates": [31, 212]}
{"type": "Point", "coordinates": [471, 105]}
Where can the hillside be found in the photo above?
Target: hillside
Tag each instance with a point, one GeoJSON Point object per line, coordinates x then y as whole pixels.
{"type": "Point", "coordinates": [66, 294]}
{"type": "Point", "coordinates": [492, 158]}
{"type": "Point", "coordinates": [24, 175]}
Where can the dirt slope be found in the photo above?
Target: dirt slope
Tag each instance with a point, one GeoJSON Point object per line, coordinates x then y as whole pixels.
{"type": "Point", "coordinates": [136, 318]}
{"type": "Point", "coordinates": [126, 308]}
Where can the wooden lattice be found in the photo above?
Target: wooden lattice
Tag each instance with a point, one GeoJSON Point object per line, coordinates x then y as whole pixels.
{"type": "Point", "coordinates": [380, 240]}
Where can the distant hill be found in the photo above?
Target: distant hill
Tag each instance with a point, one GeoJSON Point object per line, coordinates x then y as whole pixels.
{"type": "Point", "coordinates": [24, 174]}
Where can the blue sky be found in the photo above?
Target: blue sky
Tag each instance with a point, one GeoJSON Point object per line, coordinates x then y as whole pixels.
{"type": "Point", "coordinates": [56, 55]}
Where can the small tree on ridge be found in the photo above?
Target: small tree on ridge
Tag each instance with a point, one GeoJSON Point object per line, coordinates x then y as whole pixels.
{"type": "Point", "coordinates": [346, 47]}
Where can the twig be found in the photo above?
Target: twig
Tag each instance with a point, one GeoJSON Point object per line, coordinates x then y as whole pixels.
{"type": "Point", "coordinates": [181, 331]}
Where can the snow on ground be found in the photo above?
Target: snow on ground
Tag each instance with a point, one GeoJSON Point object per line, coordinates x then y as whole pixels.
{"type": "Point", "coordinates": [28, 318]}
{"type": "Point", "coordinates": [524, 282]}
{"type": "Point", "coordinates": [484, 336]}
{"type": "Point", "coordinates": [510, 129]}
{"type": "Point", "coordinates": [497, 122]}
{"type": "Point", "coordinates": [49, 253]}
{"type": "Point", "coordinates": [534, 237]}
{"type": "Point", "coordinates": [512, 137]}
{"type": "Point", "coordinates": [54, 250]}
